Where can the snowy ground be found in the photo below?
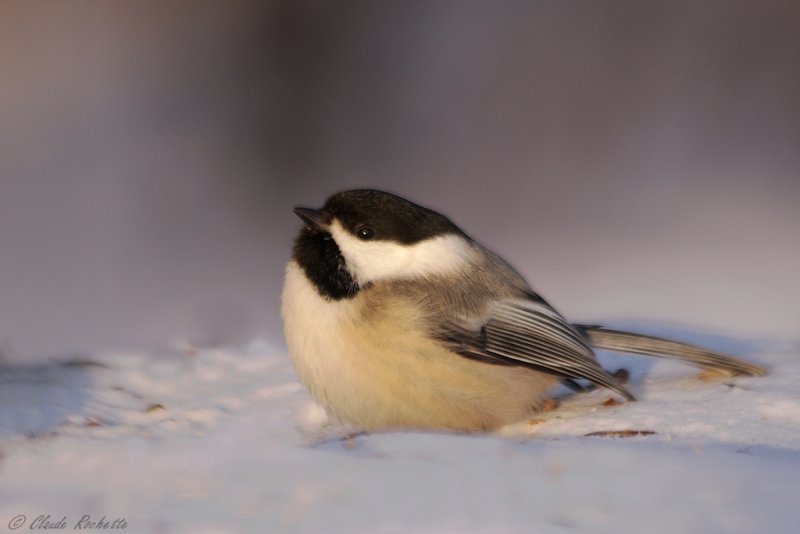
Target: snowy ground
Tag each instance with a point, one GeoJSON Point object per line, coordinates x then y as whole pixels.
{"type": "Point", "coordinates": [202, 441]}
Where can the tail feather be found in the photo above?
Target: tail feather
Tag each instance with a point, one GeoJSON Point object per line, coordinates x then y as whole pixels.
{"type": "Point", "coordinates": [628, 342]}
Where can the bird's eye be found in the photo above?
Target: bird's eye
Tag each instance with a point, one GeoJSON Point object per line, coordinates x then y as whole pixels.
{"type": "Point", "coordinates": [365, 233]}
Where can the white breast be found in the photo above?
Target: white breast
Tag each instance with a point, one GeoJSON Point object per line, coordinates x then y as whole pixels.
{"type": "Point", "coordinates": [314, 329]}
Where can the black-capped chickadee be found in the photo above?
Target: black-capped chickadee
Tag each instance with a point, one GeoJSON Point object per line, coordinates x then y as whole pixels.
{"type": "Point", "coordinates": [397, 319]}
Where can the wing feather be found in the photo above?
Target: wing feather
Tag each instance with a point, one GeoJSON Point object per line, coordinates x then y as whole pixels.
{"type": "Point", "coordinates": [532, 334]}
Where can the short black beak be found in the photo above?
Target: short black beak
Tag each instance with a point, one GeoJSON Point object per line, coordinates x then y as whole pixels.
{"type": "Point", "coordinates": [313, 218]}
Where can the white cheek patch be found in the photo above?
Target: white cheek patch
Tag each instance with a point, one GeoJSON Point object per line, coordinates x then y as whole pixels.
{"type": "Point", "coordinates": [370, 261]}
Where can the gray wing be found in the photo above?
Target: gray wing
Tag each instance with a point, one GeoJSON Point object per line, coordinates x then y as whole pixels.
{"type": "Point", "coordinates": [530, 333]}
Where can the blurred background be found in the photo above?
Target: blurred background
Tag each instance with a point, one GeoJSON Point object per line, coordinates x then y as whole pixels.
{"type": "Point", "coordinates": [635, 161]}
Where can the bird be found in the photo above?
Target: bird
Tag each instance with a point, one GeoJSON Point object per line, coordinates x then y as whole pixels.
{"type": "Point", "coordinates": [396, 319]}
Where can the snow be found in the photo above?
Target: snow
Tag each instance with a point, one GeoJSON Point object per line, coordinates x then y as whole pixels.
{"type": "Point", "coordinates": [227, 441]}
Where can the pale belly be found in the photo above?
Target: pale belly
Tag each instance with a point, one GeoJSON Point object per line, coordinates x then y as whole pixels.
{"type": "Point", "coordinates": [377, 372]}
